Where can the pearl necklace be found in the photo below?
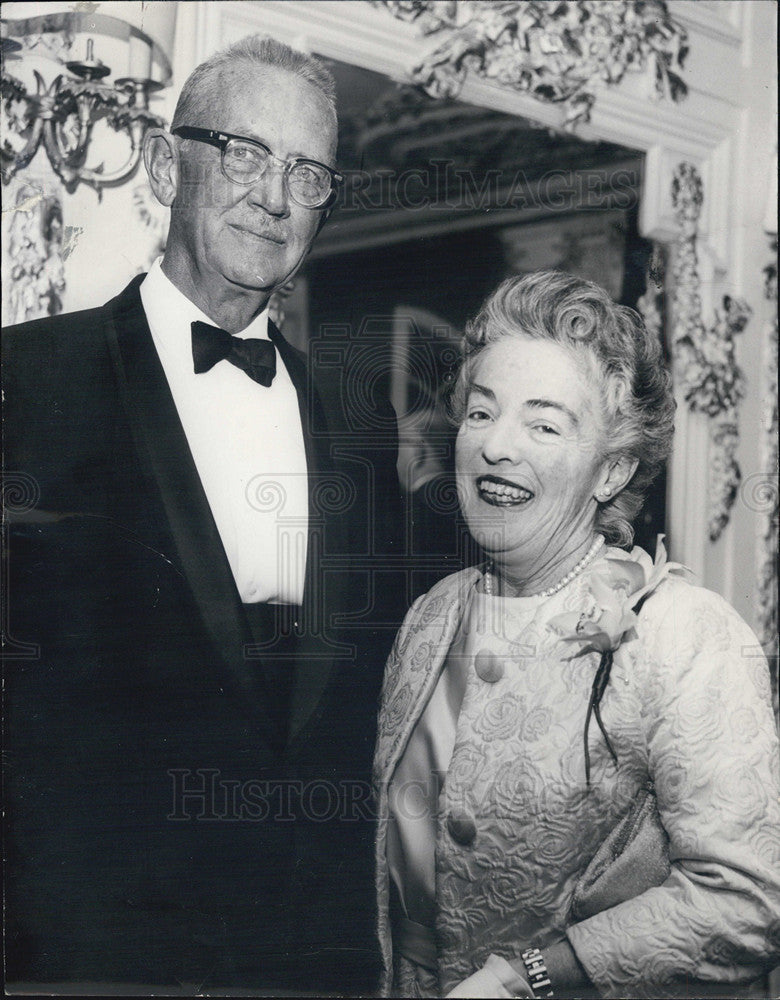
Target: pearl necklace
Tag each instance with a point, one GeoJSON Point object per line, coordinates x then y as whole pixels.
{"type": "Point", "coordinates": [487, 579]}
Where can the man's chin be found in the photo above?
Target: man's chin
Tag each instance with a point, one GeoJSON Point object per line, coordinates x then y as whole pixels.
{"type": "Point", "coordinates": [261, 279]}
{"type": "Point", "coordinates": [259, 285]}
{"type": "Point", "coordinates": [260, 282]}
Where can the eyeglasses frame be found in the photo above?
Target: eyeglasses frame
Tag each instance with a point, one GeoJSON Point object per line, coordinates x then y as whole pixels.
{"type": "Point", "coordinates": [220, 140]}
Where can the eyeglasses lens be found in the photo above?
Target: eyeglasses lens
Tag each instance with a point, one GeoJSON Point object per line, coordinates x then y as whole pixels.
{"type": "Point", "coordinates": [308, 184]}
{"type": "Point", "coordinates": [244, 163]}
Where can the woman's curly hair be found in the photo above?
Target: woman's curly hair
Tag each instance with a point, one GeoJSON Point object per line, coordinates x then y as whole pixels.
{"type": "Point", "coordinates": [612, 347]}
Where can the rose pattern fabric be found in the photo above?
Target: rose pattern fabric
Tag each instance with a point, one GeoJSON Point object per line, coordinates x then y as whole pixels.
{"type": "Point", "coordinates": [687, 706]}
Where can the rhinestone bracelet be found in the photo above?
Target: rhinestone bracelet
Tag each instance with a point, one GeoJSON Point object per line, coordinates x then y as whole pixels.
{"type": "Point", "coordinates": [537, 973]}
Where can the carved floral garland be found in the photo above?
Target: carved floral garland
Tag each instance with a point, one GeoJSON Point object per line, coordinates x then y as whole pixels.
{"type": "Point", "coordinates": [764, 496]}
{"type": "Point", "coordinates": [559, 52]}
{"type": "Point", "coordinates": [35, 254]}
{"type": "Point", "coordinates": [705, 362]}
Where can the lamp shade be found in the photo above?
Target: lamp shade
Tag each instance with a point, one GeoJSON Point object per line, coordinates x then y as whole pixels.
{"type": "Point", "coordinates": [145, 28]}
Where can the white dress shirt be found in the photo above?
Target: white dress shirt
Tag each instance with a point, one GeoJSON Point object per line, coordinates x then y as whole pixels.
{"type": "Point", "coordinates": [247, 444]}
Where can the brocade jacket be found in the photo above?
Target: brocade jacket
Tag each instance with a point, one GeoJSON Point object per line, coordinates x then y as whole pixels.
{"type": "Point", "coordinates": [688, 707]}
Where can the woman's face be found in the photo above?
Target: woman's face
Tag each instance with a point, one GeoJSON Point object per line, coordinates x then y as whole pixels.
{"type": "Point", "coordinates": [529, 453]}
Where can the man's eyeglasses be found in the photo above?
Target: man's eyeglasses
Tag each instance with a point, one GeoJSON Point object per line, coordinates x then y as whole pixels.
{"type": "Point", "coordinates": [245, 161]}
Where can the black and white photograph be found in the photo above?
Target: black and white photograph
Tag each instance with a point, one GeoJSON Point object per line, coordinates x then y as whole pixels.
{"type": "Point", "coordinates": [390, 498]}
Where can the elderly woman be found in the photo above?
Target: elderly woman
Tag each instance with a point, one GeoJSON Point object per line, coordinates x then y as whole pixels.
{"type": "Point", "coordinates": [577, 765]}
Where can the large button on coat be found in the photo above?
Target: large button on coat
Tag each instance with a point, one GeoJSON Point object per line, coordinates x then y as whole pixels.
{"type": "Point", "coordinates": [462, 827]}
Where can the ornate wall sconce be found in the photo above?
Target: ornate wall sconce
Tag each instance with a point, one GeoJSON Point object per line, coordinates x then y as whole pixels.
{"type": "Point", "coordinates": [61, 116]}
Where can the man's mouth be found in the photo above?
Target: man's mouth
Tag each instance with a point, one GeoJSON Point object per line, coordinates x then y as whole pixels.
{"type": "Point", "coordinates": [271, 237]}
{"type": "Point", "coordinates": [502, 493]}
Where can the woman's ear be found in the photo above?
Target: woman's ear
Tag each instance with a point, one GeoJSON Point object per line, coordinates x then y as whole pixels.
{"type": "Point", "coordinates": [616, 475]}
{"type": "Point", "coordinates": [161, 159]}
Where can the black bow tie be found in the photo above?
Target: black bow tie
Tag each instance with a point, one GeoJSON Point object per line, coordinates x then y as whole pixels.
{"type": "Point", "coordinates": [255, 357]}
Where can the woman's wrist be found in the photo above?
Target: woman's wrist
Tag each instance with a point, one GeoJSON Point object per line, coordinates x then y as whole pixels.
{"type": "Point", "coordinates": [552, 970]}
{"type": "Point", "coordinates": [536, 972]}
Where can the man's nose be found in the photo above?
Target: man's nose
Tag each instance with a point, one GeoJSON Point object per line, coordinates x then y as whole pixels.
{"type": "Point", "coordinates": [270, 191]}
{"type": "Point", "coordinates": [502, 442]}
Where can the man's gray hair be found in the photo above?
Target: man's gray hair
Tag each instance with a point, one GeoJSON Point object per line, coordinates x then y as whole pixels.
{"type": "Point", "coordinates": [197, 96]}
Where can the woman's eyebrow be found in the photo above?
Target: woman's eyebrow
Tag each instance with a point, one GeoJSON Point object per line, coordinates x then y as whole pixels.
{"type": "Point", "coordinates": [482, 390]}
{"type": "Point", "coordinates": [544, 404]}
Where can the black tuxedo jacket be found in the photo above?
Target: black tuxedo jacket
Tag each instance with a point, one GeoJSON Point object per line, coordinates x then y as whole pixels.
{"type": "Point", "coordinates": [161, 828]}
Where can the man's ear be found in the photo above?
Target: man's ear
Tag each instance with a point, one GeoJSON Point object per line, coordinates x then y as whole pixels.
{"type": "Point", "coordinates": [616, 476]}
{"type": "Point", "coordinates": [161, 159]}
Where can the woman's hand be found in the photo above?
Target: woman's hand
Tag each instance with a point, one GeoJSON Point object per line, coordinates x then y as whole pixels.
{"type": "Point", "coordinates": [496, 978]}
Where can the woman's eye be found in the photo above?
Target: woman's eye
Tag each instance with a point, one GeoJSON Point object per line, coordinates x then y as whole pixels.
{"type": "Point", "coordinates": [477, 415]}
{"type": "Point", "coordinates": [547, 429]}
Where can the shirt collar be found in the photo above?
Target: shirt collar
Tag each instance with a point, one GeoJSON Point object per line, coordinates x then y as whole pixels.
{"type": "Point", "coordinates": [170, 312]}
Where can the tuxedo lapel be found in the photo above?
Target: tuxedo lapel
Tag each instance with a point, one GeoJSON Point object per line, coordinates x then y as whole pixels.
{"type": "Point", "coordinates": [165, 455]}
{"type": "Point", "coordinates": [323, 592]}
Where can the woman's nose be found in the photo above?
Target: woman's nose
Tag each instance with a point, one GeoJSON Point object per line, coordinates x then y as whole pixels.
{"type": "Point", "coordinates": [501, 443]}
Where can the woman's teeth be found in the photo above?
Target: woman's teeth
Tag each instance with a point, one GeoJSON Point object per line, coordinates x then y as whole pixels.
{"type": "Point", "coordinates": [503, 493]}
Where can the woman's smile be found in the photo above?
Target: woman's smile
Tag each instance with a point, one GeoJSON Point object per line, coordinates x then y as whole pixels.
{"type": "Point", "coordinates": [499, 492]}
{"type": "Point", "coordinates": [530, 456]}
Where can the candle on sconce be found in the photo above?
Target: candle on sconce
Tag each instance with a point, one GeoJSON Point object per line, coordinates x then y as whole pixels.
{"type": "Point", "coordinates": [140, 67]}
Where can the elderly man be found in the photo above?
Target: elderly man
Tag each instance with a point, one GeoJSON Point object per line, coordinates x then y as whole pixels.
{"type": "Point", "coordinates": [189, 718]}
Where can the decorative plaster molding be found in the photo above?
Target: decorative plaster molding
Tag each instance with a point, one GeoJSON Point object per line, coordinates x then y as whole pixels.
{"type": "Point", "coordinates": [35, 252]}
{"type": "Point", "coordinates": [559, 53]}
{"type": "Point", "coordinates": [763, 493]}
{"type": "Point", "coordinates": [705, 363]}
{"type": "Point", "coordinates": [709, 20]}
{"type": "Point", "coordinates": [152, 216]}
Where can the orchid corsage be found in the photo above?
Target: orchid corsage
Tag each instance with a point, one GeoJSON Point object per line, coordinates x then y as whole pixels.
{"type": "Point", "coordinates": [616, 587]}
